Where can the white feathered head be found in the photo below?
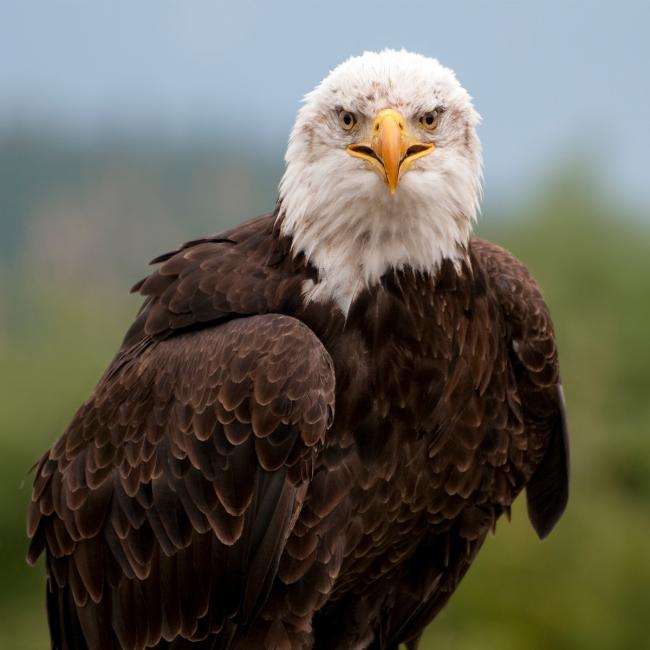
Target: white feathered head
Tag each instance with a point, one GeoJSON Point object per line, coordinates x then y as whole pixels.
{"type": "Point", "coordinates": [383, 170]}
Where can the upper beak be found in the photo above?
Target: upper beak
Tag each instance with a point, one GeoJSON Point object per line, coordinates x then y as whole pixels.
{"type": "Point", "coordinates": [390, 150]}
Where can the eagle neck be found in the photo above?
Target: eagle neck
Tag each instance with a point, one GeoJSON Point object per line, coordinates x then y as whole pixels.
{"type": "Point", "coordinates": [353, 254]}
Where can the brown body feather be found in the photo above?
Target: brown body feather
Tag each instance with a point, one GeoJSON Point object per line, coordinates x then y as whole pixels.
{"type": "Point", "coordinates": [257, 472]}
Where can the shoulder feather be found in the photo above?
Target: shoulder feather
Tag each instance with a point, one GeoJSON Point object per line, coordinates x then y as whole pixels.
{"type": "Point", "coordinates": [239, 272]}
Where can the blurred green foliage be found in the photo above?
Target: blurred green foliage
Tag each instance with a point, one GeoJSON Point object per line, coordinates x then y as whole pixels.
{"type": "Point", "coordinates": [75, 228]}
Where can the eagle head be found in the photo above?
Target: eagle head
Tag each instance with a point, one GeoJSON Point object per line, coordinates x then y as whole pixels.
{"type": "Point", "coordinates": [383, 171]}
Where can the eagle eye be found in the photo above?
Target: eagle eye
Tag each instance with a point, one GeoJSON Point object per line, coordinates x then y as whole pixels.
{"type": "Point", "coordinates": [347, 119]}
{"type": "Point", "coordinates": [429, 120]}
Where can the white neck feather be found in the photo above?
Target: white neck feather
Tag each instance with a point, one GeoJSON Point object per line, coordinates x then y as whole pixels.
{"type": "Point", "coordinates": [353, 235]}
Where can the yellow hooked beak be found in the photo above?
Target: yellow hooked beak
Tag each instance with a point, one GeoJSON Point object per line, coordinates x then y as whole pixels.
{"type": "Point", "coordinates": [390, 150]}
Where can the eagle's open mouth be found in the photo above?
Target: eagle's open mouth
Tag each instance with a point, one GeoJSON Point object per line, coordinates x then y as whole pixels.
{"type": "Point", "coordinates": [415, 149]}
{"type": "Point", "coordinates": [365, 150]}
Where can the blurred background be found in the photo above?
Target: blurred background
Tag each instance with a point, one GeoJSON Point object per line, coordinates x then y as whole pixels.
{"type": "Point", "coordinates": [129, 127]}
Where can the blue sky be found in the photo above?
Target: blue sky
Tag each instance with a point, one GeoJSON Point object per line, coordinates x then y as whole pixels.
{"type": "Point", "coordinates": [550, 78]}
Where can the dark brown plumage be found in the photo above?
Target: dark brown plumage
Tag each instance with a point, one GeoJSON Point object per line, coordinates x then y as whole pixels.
{"type": "Point", "coordinates": [257, 472]}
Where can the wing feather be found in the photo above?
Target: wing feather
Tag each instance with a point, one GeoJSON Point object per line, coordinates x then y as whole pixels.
{"type": "Point", "coordinates": [177, 483]}
{"type": "Point", "coordinates": [534, 352]}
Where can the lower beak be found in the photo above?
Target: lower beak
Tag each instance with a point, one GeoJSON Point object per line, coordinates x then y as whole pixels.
{"type": "Point", "coordinates": [390, 150]}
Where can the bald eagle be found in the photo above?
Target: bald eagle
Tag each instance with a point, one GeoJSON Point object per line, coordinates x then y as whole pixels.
{"type": "Point", "coordinates": [317, 416]}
